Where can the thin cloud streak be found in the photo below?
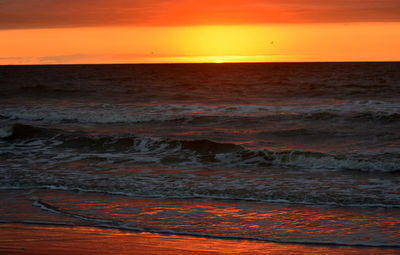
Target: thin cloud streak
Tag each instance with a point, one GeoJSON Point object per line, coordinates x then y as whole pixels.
{"type": "Point", "coordinates": [128, 58]}
{"type": "Point", "coordinates": [19, 14]}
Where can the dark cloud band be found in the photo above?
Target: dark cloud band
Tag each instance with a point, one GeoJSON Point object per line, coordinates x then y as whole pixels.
{"type": "Point", "coordinates": [16, 14]}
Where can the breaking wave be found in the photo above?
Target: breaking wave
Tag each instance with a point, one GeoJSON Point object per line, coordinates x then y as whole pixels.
{"type": "Point", "coordinates": [201, 152]}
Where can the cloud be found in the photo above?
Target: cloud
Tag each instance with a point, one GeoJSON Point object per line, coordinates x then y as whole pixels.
{"type": "Point", "coordinates": [73, 13]}
{"type": "Point", "coordinates": [13, 58]}
{"type": "Point", "coordinates": [101, 58]}
{"type": "Point", "coordinates": [62, 59]}
{"type": "Point", "coordinates": [16, 60]}
{"type": "Point", "coordinates": [16, 14]}
{"type": "Point", "coordinates": [132, 58]}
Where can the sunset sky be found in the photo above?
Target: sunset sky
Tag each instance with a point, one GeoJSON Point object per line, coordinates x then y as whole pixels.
{"type": "Point", "coordinates": [164, 31]}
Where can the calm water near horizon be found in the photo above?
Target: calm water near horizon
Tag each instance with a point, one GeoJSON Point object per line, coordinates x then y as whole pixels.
{"type": "Point", "coordinates": [305, 153]}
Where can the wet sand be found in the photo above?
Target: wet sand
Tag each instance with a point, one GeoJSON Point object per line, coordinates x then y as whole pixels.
{"type": "Point", "coordinates": [35, 239]}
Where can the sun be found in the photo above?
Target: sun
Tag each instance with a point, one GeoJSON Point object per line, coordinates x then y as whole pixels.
{"type": "Point", "coordinates": [227, 44]}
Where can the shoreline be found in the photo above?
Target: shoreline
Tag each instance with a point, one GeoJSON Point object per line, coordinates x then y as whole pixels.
{"type": "Point", "coordinates": [37, 239]}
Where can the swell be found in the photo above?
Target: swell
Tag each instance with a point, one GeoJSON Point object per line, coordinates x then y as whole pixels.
{"type": "Point", "coordinates": [44, 90]}
{"type": "Point", "coordinates": [354, 111]}
{"type": "Point", "coordinates": [201, 152]}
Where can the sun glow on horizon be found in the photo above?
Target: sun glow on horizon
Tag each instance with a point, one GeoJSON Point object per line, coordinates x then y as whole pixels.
{"type": "Point", "coordinates": [232, 43]}
{"type": "Point", "coordinates": [202, 44]}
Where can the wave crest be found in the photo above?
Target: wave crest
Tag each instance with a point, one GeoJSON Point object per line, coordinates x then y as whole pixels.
{"type": "Point", "coordinates": [197, 152]}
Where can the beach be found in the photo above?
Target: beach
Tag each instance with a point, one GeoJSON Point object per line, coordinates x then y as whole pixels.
{"type": "Point", "coordinates": [33, 239]}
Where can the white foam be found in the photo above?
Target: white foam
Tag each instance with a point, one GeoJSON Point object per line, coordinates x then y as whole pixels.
{"type": "Point", "coordinates": [84, 114]}
{"type": "Point", "coordinates": [6, 131]}
{"type": "Point", "coordinates": [326, 162]}
{"type": "Point", "coordinates": [333, 163]}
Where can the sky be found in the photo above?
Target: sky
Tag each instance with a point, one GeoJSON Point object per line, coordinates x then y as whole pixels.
{"type": "Point", "coordinates": [174, 31]}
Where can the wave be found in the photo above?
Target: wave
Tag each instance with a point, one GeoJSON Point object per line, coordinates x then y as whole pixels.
{"type": "Point", "coordinates": [97, 114]}
{"type": "Point", "coordinates": [6, 131]}
{"type": "Point", "coordinates": [105, 220]}
{"type": "Point", "coordinates": [198, 152]}
{"type": "Point", "coordinates": [47, 90]}
{"type": "Point", "coordinates": [228, 195]}
{"type": "Point", "coordinates": [105, 113]}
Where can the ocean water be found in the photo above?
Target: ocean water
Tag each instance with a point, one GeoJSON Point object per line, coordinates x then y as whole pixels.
{"type": "Point", "coordinates": [294, 153]}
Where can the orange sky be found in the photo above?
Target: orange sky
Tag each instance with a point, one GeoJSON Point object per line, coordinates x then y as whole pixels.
{"type": "Point", "coordinates": [153, 31]}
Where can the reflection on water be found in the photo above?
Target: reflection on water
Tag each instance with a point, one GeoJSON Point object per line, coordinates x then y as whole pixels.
{"type": "Point", "coordinates": [243, 220]}
{"type": "Point", "coordinates": [25, 239]}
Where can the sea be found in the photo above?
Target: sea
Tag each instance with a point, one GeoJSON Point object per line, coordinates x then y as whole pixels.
{"type": "Point", "coordinates": [302, 153]}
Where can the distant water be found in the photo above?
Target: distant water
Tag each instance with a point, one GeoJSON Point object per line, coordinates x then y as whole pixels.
{"type": "Point", "coordinates": [297, 153]}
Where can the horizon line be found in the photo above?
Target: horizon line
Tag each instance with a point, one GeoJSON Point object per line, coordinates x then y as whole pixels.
{"type": "Point", "coordinates": [200, 63]}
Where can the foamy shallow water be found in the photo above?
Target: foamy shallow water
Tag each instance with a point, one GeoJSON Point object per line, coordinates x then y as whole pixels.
{"type": "Point", "coordinates": [207, 218]}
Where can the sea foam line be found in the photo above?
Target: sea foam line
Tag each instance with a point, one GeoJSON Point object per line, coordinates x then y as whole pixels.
{"type": "Point", "coordinates": [198, 197]}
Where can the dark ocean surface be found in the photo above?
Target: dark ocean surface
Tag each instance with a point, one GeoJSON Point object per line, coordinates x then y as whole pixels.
{"type": "Point", "coordinates": [296, 153]}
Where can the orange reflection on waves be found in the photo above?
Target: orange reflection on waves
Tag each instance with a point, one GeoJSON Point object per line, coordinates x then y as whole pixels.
{"type": "Point", "coordinates": [46, 240]}
{"type": "Point", "coordinates": [246, 219]}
